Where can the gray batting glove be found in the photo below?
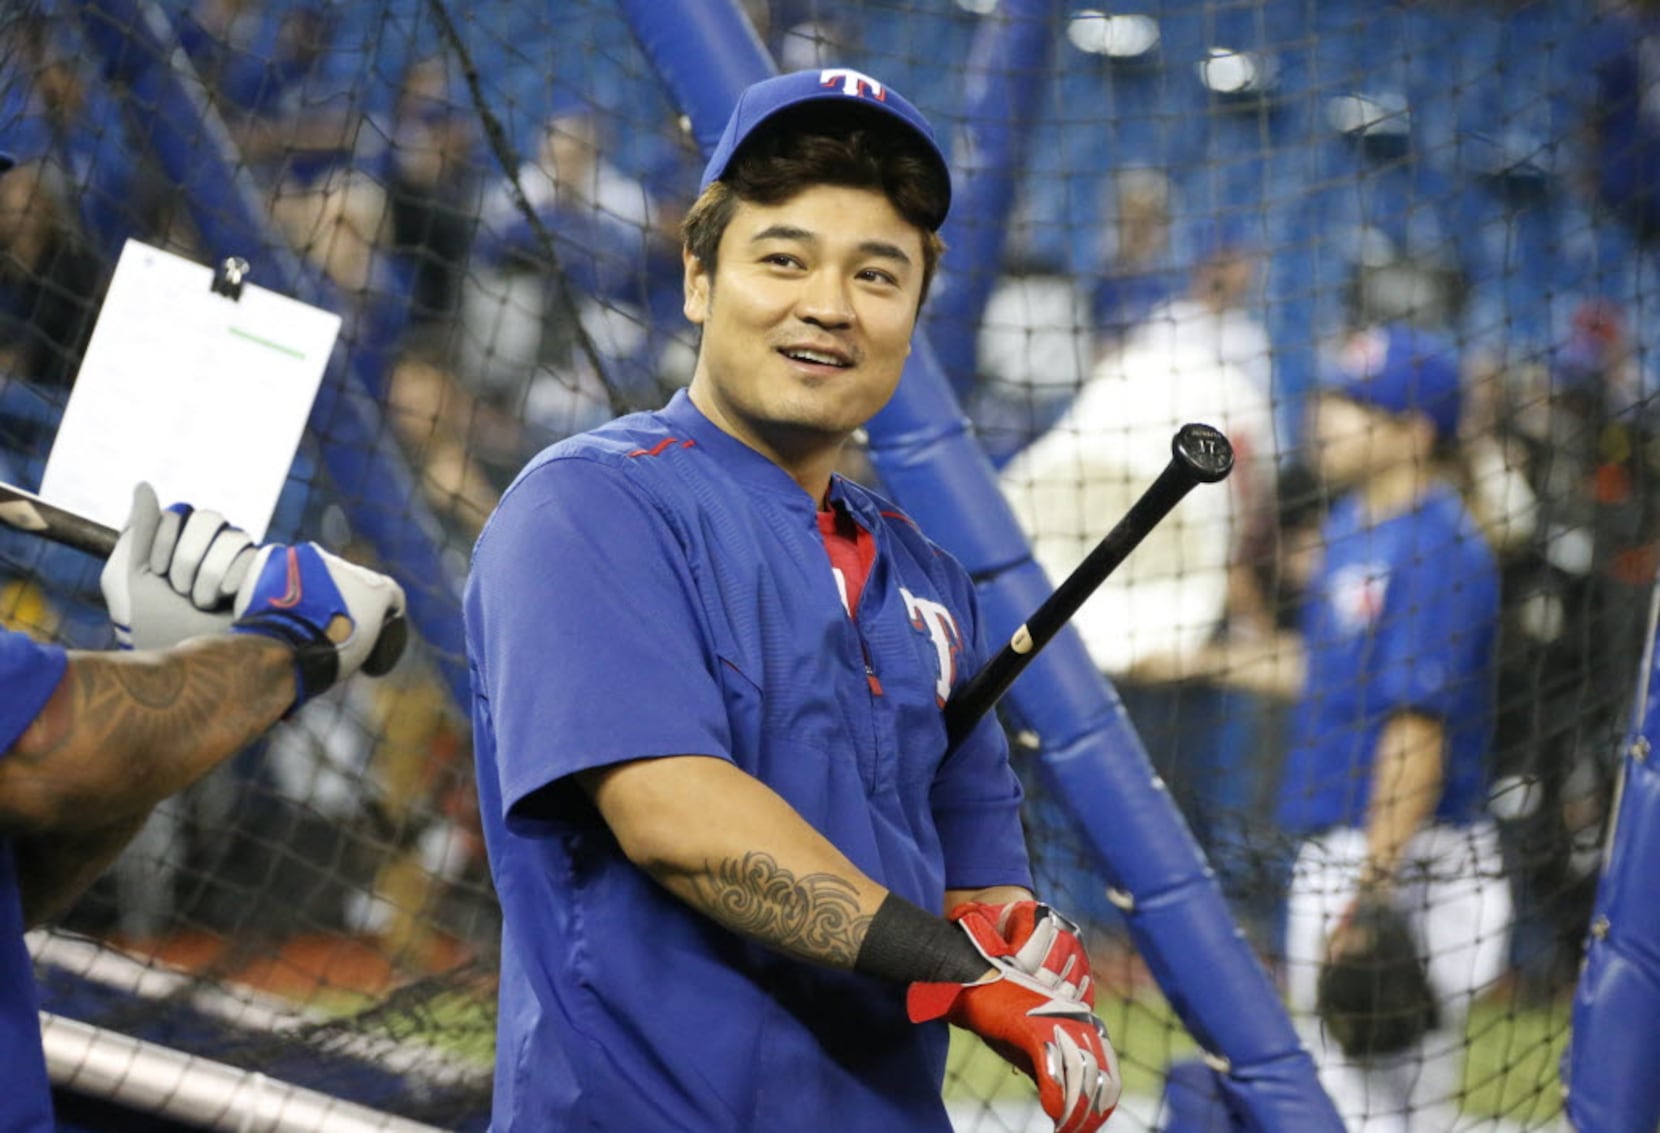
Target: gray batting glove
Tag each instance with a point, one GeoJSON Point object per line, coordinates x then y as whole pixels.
{"type": "Point", "coordinates": [174, 574]}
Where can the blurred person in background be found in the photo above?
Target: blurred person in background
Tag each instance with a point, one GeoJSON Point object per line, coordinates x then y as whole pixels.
{"type": "Point", "coordinates": [1138, 265]}
{"type": "Point", "coordinates": [1217, 311]}
{"type": "Point", "coordinates": [1193, 581]}
{"type": "Point", "coordinates": [557, 306]}
{"type": "Point", "coordinates": [1622, 115]}
{"type": "Point", "coordinates": [1577, 590]}
{"type": "Point", "coordinates": [1393, 681]}
{"type": "Point", "coordinates": [463, 445]}
{"type": "Point", "coordinates": [433, 160]}
{"type": "Point", "coordinates": [80, 185]}
{"type": "Point", "coordinates": [297, 103]}
{"type": "Point", "coordinates": [1387, 776]}
{"type": "Point", "coordinates": [284, 84]}
{"type": "Point", "coordinates": [536, 342]}
{"type": "Point", "coordinates": [1033, 352]}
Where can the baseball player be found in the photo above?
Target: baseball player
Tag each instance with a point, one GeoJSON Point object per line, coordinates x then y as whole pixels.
{"type": "Point", "coordinates": [708, 678]}
{"type": "Point", "coordinates": [90, 742]}
{"type": "Point", "coordinates": [1385, 779]}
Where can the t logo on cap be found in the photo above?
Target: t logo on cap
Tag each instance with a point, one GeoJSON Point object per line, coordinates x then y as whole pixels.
{"type": "Point", "coordinates": [853, 82]}
{"type": "Point", "coordinates": [831, 88]}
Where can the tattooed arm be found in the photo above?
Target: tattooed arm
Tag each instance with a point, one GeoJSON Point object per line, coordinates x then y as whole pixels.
{"type": "Point", "coordinates": [54, 869]}
{"type": "Point", "coordinates": [121, 733]}
{"type": "Point", "coordinates": [729, 846]}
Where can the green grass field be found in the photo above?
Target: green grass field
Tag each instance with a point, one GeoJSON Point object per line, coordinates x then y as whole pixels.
{"type": "Point", "coordinates": [1511, 1070]}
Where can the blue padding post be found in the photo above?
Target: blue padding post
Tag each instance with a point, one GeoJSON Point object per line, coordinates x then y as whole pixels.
{"type": "Point", "coordinates": [1193, 1100]}
{"type": "Point", "coordinates": [1608, 1070]}
{"type": "Point", "coordinates": [704, 80]}
{"type": "Point", "coordinates": [376, 487]}
{"type": "Point", "coordinates": [931, 465]}
{"type": "Point", "coordinates": [1005, 79]}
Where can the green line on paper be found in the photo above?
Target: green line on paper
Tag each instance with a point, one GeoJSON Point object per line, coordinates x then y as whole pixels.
{"type": "Point", "coordinates": [288, 350]}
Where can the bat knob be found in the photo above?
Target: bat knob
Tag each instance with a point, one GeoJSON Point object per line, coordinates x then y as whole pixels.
{"type": "Point", "coordinates": [388, 647]}
{"type": "Point", "coordinates": [1204, 451]}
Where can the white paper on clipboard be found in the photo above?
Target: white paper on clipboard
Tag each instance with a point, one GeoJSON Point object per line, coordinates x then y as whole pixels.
{"type": "Point", "coordinates": [203, 395]}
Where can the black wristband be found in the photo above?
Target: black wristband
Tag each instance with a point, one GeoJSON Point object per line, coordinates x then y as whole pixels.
{"type": "Point", "coordinates": [908, 944]}
{"type": "Point", "coordinates": [316, 658]}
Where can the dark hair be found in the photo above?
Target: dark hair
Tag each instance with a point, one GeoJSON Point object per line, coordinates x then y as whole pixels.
{"type": "Point", "coordinates": [814, 146]}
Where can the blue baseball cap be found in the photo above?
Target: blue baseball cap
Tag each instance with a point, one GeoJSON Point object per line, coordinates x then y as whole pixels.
{"type": "Point", "coordinates": [1400, 369]}
{"type": "Point", "coordinates": [828, 86]}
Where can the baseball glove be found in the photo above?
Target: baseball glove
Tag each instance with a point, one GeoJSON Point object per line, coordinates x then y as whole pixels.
{"type": "Point", "coordinates": [1374, 997]}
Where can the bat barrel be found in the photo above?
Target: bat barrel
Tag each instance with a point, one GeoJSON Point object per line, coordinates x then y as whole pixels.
{"type": "Point", "coordinates": [26, 511]}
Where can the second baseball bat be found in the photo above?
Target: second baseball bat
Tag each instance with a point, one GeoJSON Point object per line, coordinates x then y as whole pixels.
{"type": "Point", "coordinates": [1199, 454]}
{"type": "Point", "coordinates": [28, 512]}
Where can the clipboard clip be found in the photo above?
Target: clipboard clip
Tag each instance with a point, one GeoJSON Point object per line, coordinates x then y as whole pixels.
{"type": "Point", "coordinates": [228, 277]}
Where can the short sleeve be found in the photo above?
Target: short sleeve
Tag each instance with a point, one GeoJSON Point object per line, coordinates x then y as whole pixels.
{"type": "Point", "coordinates": [975, 801]}
{"type": "Point", "coordinates": [586, 632]}
{"type": "Point", "coordinates": [30, 673]}
{"type": "Point", "coordinates": [976, 807]}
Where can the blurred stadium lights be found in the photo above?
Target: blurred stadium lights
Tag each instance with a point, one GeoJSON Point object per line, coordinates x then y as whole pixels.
{"type": "Point", "coordinates": [1094, 32]}
{"type": "Point", "coordinates": [1379, 115]}
{"type": "Point", "coordinates": [1237, 74]}
{"type": "Point", "coordinates": [1514, 156]}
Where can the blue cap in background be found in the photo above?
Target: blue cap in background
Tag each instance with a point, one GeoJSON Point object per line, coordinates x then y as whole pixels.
{"type": "Point", "coordinates": [828, 86]}
{"type": "Point", "coordinates": [1400, 369]}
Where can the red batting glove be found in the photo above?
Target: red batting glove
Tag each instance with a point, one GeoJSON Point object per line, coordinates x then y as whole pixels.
{"type": "Point", "coordinates": [1058, 1040]}
{"type": "Point", "coordinates": [1043, 944]}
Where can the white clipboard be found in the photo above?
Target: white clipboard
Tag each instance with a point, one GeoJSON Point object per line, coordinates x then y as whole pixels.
{"type": "Point", "coordinates": [193, 380]}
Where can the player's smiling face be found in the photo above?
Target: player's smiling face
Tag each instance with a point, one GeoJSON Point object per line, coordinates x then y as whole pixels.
{"type": "Point", "coordinates": [806, 321]}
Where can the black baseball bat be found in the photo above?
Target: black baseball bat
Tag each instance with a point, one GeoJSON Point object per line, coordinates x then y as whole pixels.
{"type": "Point", "coordinates": [1199, 454]}
{"type": "Point", "coordinates": [28, 512]}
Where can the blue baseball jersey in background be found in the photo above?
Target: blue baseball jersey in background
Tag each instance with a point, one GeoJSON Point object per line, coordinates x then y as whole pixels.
{"type": "Point", "coordinates": [29, 673]}
{"type": "Point", "coordinates": [657, 588]}
{"type": "Point", "coordinates": [1401, 616]}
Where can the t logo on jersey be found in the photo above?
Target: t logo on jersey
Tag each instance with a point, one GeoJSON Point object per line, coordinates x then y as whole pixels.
{"type": "Point", "coordinates": [935, 620]}
{"type": "Point", "coordinates": [856, 83]}
{"type": "Point", "coordinates": [1357, 592]}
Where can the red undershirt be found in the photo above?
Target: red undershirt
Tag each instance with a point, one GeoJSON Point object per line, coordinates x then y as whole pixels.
{"type": "Point", "coordinates": [852, 550]}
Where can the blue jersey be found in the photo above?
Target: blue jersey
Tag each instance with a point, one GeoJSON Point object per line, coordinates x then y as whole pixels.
{"type": "Point", "coordinates": [1402, 616]}
{"type": "Point", "coordinates": [657, 588]}
{"type": "Point", "coordinates": [28, 673]}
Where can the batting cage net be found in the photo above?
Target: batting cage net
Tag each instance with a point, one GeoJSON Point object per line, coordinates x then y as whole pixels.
{"type": "Point", "coordinates": [1400, 252]}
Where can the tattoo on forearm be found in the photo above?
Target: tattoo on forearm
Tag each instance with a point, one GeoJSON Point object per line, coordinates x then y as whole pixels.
{"type": "Point", "coordinates": [155, 687]}
{"type": "Point", "coordinates": [119, 697]}
{"type": "Point", "coordinates": [816, 917]}
{"type": "Point", "coordinates": [124, 732]}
